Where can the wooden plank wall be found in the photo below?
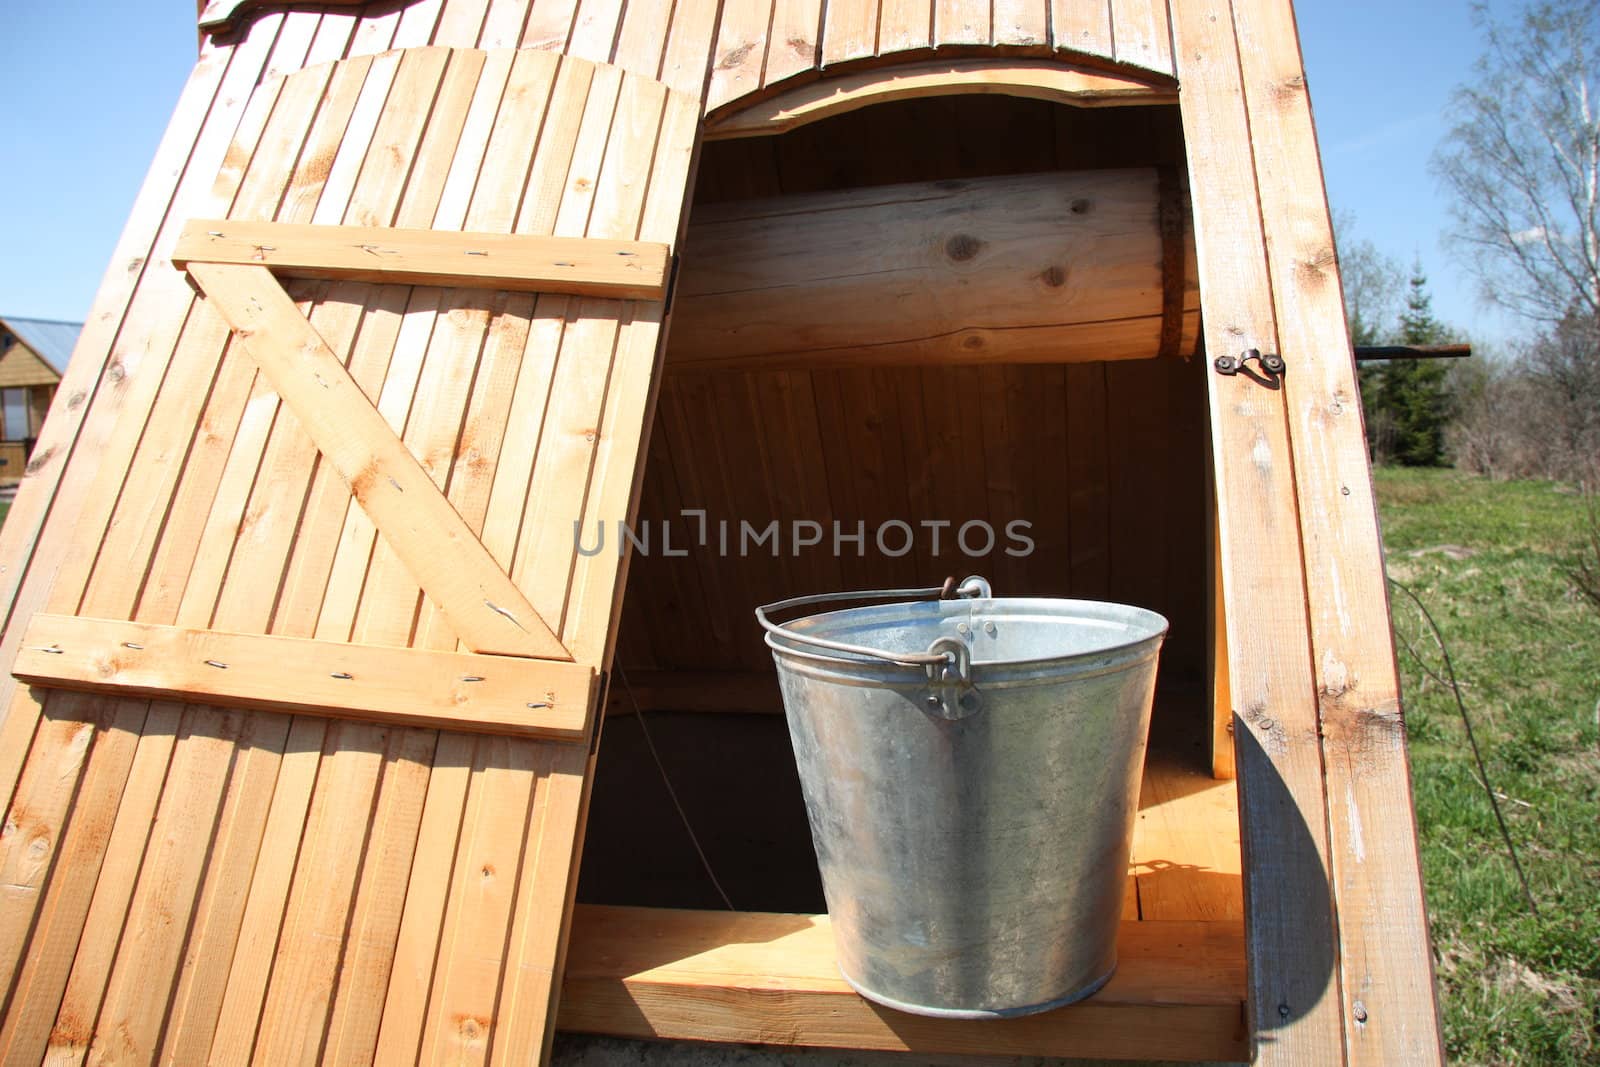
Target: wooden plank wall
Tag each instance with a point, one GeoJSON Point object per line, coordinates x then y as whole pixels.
{"type": "Point", "coordinates": [1106, 460]}
{"type": "Point", "coordinates": [21, 366]}
{"type": "Point", "coordinates": [116, 366]}
{"type": "Point", "coordinates": [762, 44]}
{"type": "Point", "coordinates": [187, 879]}
{"type": "Point", "coordinates": [1325, 726]}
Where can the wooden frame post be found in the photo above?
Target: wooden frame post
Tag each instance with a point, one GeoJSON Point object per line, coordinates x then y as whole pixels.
{"type": "Point", "coordinates": [1335, 922]}
{"type": "Point", "coordinates": [1389, 1009]}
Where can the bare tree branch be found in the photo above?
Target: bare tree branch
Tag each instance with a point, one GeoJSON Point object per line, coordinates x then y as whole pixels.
{"type": "Point", "coordinates": [1522, 161]}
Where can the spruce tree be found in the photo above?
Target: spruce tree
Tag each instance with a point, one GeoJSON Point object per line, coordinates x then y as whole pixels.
{"type": "Point", "coordinates": [1372, 285]}
{"type": "Point", "coordinates": [1412, 395]}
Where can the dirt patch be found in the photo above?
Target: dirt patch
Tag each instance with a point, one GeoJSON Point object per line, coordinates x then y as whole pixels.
{"type": "Point", "coordinates": [1455, 552]}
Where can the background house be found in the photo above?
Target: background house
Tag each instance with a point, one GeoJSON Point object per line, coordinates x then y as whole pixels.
{"type": "Point", "coordinates": [33, 355]}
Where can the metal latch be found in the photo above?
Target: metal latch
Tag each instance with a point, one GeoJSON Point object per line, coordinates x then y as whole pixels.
{"type": "Point", "coordinates": [1272, 366]}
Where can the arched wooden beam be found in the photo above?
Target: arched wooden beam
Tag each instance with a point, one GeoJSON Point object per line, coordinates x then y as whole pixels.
{"type": "Point", "coordinates": [1040, 80]}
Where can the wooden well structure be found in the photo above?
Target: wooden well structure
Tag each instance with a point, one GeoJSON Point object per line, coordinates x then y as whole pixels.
{"type": "Point", "coordinates": [308, 670]}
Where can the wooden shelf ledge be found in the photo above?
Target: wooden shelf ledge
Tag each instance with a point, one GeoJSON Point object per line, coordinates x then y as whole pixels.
{"type": "Point", "coordinates": [765, 978]}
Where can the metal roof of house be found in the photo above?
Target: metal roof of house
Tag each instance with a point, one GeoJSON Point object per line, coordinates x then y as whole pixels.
{"type": "Point", "coordinates": [53, 341]}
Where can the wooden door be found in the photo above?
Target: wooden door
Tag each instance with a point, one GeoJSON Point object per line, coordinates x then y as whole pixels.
{"type": "Point", "coordinates": [318, 679]}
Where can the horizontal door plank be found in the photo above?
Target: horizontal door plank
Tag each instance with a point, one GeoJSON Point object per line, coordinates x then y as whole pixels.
{"type": "Point", "coordinates": [443, 554]}
{"type": "Point", "coordinates": [625, 270]}
{"type": "Point", "coordinates": [409, 686]}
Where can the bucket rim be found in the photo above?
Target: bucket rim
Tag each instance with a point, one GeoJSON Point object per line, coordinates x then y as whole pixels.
{"type": "Point", "coordinates": [1156, 627]}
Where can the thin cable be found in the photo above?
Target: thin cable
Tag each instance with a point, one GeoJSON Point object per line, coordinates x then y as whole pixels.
{"type": "Point", "coordinates": [1429, 671]}
{"type": "Point", "coordinates": [638, 713]}
{"type": "Point", "coordinates": [1472, 739]}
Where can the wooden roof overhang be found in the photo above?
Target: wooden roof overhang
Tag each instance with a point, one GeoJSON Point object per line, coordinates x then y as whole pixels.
{"type": "Point", "coordinates": [1338, 965]}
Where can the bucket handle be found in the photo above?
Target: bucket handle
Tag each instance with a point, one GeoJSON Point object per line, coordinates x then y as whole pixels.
{"type": "Point", "coordinates": [948, 661]}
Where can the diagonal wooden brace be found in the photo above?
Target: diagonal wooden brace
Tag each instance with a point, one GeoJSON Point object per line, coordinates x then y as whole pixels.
{"type": "Point", "coordinates": [445, 557]}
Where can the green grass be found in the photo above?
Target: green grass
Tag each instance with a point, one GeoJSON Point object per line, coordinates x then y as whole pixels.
{"type": "Point", "coordinates": [1490, 560]}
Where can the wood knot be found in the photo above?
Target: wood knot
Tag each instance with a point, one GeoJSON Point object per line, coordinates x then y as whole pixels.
{"type": "Point", "coordinates": [1054, 276]}
{"type": "Point", "coordinates": [37, 462]}
{"type": "Point", "coordinates": [315, 170]}
{"type": "Point", "coordinates": [734, 56]}
{"type": "Point", "coordinates": [116, 372]}
{"type": "Point", "coordinates": [800, 46]}
{"type": "Point", "coordinates": [1080, 206]}
{"type": "Point", "coordinates": [1290, 87]}
{"type": "Point", "coordinates": [362, 484]}
{"type": "Point", "coordinates": [472, 1027]}
{"type": "Point", "coordinates": [1381, 721]}
{"type": "Point", "coordinates": [1313, 270]}
{"type": "Point", "coordinates": [962, 247]}
{"type": "Point", "coordinates": [1255, 714]}
{"type": "Point", "coordinates": [972, 342]}
{"type": "Point", "coordinates": [70, 1031]}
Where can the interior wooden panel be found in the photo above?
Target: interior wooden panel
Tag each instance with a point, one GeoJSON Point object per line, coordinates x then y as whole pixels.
{"type": "Point", "coordinates": [1063, 267]}
{"type": "Point", "coordinates": [1184, 864]}
{"type": "Point", "coordinates": [1105, 459]}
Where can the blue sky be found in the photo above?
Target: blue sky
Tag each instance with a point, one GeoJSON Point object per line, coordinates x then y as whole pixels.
{"type": "Point", "coordinates": [87, 89]}
{"type": "Point", "coordinates": [1381, 75]}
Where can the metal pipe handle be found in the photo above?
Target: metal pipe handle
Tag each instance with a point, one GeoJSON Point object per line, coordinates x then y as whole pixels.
{"type": "Point", "coordinates": [938, 654]}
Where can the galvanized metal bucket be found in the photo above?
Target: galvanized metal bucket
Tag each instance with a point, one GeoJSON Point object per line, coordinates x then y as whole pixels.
{"type": "Point", "coordinates": [971, 769]}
